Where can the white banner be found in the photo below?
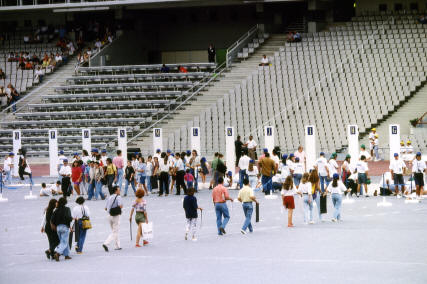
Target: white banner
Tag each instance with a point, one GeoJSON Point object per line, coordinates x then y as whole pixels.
{"type": "Point", "coordinates": [195, 139]}
{"type": "Point", "coordinates": [310, 145]}
{"type": "Point", "coordinates": [394, 139]}
{"type": "Point", "coordinates": [123, 143]}
{"type": "Point", "coordinates": [269, 138]}
{"type": "Point", "coordinates": [53, 153]}
{"type": "Point", "coordinates": [230, 155]}
{"type": "Point", "coordinates": [157, 139]}
{"type": "Point", "coordinates": [86, 140]}
{"type": "Point", "coordinates": [353, 142]}
{"type": "Point", "coordinates": [16, 136]}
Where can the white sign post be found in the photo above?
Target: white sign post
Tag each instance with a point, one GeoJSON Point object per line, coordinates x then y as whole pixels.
{"type": "Point", "coordinates": [394, 139]}
{"type": "Point", "coordinates": [269, 138]}
{"type": "Point", "coordinates": [16, 146]}
{"type": "Point", "coordinates": [53, 153]}
{"type": "Point", "coordinates": [230, 155]}
{"type": "Point", "coordinates": [195, 139]}
{"type": "Point", "coordinates": [353, 142]}
{"type": "Point", "coordinates": [310, 145]}
{"type": "Point", "coordinates": [86, 140]}
{"type": "Point", "coordinates": [122, 139]}
{"type": "Point", "coordinates": [157, 139]}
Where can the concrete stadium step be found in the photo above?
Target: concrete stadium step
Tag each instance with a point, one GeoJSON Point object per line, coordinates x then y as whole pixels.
{"type": "Point", "coordinates": [414, 107]}
{"type": "Point", "coordinates": [233, 77]}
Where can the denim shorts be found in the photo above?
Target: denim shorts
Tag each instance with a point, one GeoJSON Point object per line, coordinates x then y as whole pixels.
{"type": "Point", "coordinates": [142, 179]}
{"type": "Point", "coordinates": [361, 178]}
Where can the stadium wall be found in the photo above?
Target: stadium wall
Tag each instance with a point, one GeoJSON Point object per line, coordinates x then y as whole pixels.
{"type": "Point", "coordinates": [374, 5]}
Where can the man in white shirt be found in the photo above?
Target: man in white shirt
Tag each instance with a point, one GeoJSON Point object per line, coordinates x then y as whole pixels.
{"type": "Point", "coordinates": [264, 61]}
{"type": "Point", "coordinates": [371, 140]}
{"type": "Point", "coordinates": [65, 173]}
{"type": "Point", "coordinates": [333, 165]}
{"type": "Point", "coordinates": [362, 176]}
{"type": "Point", "coordinates": [8, 167]}
{"type": "Point", "coordinates": [419, 168]}
{"type": "Point", "coordinates": [363, 152]}
{"type": "Point", "coordinates": [53, 189]}
{"type": "Point", "coordinates": [104, 157]}
{"type": "Point", "coordinates": [243, 167]}
{"type": "Point", "coordinates": [180, 172]}
{"type": "Point", "coordinates": [321, 165]}
{"type": "Point", "coordinates": [397, 168]}
{"type": "Point", "coordinates": [298, 172]}
{"type": "Point", "coordinates": [251, 145]}
{"type": "Point", "coordinates": [61, 159]}
{"type": "Point", "coordinates": [302, 157]}
{"type": "Point", "coordinates": [58, 59]}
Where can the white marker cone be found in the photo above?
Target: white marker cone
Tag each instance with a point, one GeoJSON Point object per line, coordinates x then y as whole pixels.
{"type": "Point", "coordinates": [384, 203]}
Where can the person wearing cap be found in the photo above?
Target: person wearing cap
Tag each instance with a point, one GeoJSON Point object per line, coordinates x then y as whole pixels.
{"type": "Point", "coordinates": [419, 168]}
{"type": "Point", "coordinates": [65, 173]}
{"type": "Point", "coordinates": [94, 153]}
{"type": "Point", "coordinates": [8, 167]}
{"type": "Point", "coordinates": [75, 157]}
{"type": "Point", "coordinates": [104, 157]}
{"type": "Point", "coordinates": [251, 145]}
{"type": "Point", "coordinates": [376, 148]}
{"type": "Point", "coordinates": [119, 162]}
{"type": "Point", "coordinates": [253, 174]}
{"type": "Point", "coordinates": [298, 172]}
{"type": "Point", "coordinates": [228, 181]}
{"type": "Point", "coordinates": [333, 165]}
{"type": "Point", "coordinates": [336, 189]}
{"type": "Point", "coordinates": [346, 170]}
{"type": "Point", "coordinates": [284, 168]}
{"type": "Point", "coordinates": [264, 151]}
{"type": "Point", "coordinates": [322, 168]}
{"type": "Point", "coordinates": [362, 176]}
{"type": "Point", "coordinates": [402, 149]}
{"type": "Point", "coordinates": [372, 140]}
{"type": "Point", "coordinates": [409, 152]}
{"type": "Point", "coordinates": [267, 166]}
{"type": "Point", "coordinates": [290, 162]}
{"type": "Point", "coordinates": [61, 159]}
{"type": "Point", "coordinates": [243, 167]}
{"type": "Point", "coordinates": [397, 168]}
{"type": "Point", "coordinates": [157, 154]}
{"type": "Point", "coordinates": [302, 156]}
{"type": "Point", "coordinates": [365, 153]}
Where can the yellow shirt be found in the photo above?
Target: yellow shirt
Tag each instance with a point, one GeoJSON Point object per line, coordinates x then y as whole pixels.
{"type": "Point", "coordinates": [246, 193]}
{"type": "Point", "coordinates": [111, 169]}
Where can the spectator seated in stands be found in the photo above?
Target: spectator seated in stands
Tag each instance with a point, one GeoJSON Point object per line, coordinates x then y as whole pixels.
{"type": "Point", "coordinates": [2, 75]}
{"type": "Point", "coordinates": [182, 69]}
{"type": "Point", "coordinates": [264, 61]}
{"type": "Point", "coordinates": [98, 44]}
{"type": "Point", "coordinates": [39, 74]}
{"type": "Point", "coordinates": [89, 51]}
{"type": "Point", "coordinates": [21, 63]}
{"type": "Point", "coordinates": [423, 19]}
{"type": "Point", "coordinates": [53, 62]}
{"type": "Point", "coordinates": [35, 59]}
{"type": "Point", "coordinates": [28, 65]}
{"type": "Point", "coordinates": [3, 98]}
{"type": "Point", "coordinates": [164, 69]}
{"type": "Point", "coordinates": [46, 62]}
{"type": "Point", "coordinates": [58, 59]}
{"type": "Point", "coordinates": [70, 47]}
{"type": "Point", "coordinates": [297, 37]}
{"type": "Point", "coordinates": [290, 37]}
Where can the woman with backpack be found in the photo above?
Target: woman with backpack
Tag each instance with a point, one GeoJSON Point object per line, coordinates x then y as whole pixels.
{"type": "Point", "coordinates": [60, 221]}
{"type": "Point", "coordinates": [52, 236]}
{"type": "Point", "coordinates": [80, 213]}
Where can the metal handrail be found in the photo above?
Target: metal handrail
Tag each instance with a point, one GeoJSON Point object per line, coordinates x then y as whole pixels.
{"type": "Point", "coordinates": [231, 54]}
{"type": "Point", "coordinates": [218, 71]}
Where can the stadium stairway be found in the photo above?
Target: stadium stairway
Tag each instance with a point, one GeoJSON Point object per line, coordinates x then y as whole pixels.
{"type": "Point", "coordinates": [227, 81]}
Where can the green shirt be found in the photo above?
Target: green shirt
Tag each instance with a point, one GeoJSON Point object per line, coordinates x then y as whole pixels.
{"type": "Point", "coordinates": [215, 163]}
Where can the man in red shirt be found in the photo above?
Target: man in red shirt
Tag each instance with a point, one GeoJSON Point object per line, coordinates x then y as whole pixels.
{"type": "Point", "coordinates": [219, 198]}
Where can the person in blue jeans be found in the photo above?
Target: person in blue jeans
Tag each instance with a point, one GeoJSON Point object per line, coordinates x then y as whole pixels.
{"type": "Point", "coordinates": [219, 198]}
{"type": "Point", "coordinates": [336, 188]}
{"type": "Point", "coordinates": [246, 196]}
{"type": "Point", "coordinates": [61, 219]}
{"type": "Point", "coordinates": [99, 175]}
{"type": "Point", "coordinates": [322, 167]}
{"type": "Point", "coordinates": [78, 213]}
{"type": "Point", "coordinates": [129, 177]}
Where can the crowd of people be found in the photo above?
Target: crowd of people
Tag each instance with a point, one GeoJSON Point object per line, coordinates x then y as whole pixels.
{"type": "Point", "coordinates": [293, 37]}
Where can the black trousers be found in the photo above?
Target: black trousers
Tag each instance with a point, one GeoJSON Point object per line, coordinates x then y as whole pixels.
{"type": "Point", "coordinates": [180, 182]}
{"type": "Point", "coordinates": [164, 183]}
{"type": "Point", "coordinates": [53, 239]}
{"type": "Point", "coordinates": [22, 172]}
{"type": "Point", "coordinates": [110, 180]}
{"type": "Point", "coordinates": [65, 186]}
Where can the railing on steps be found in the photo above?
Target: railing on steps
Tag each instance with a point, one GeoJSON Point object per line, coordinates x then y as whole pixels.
{"type": "Point", "coordinates": [234, 49]}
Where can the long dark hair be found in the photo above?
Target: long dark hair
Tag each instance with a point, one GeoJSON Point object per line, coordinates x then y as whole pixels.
{"type": "Point", "coordinates": [62, 202]}
{"type": "Point", "coordinates": [335, 182]}
{"type": "Point", "coordinates": [51, 206]}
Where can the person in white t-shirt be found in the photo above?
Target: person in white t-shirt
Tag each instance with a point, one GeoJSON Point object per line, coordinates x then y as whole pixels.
{"type": "Point", "coordinates": [336, 188]}
{"type": "Point", "coordinates": [243, 167]}
{"type": "Point", "coordinates": [362, 176]}
{"type": "Point", "coordinates": [321, 165]}
{"type": "Point", "coordinates": [419, 168]}
{"type": "Point", "coordinates": [276, 159]}
{"type": "Point", "coordinates": [298, 172]}
{"type": "Point", "coordinates": [284, 168]}
{"type": "Point", "coordinates": [290, 162]}
{"type": "Point", "coordinates": [288, 192]}
{"type": "Point", "coordinates": [264, 61]}
{"type": "Point", "coordinates": [302, 157]}
{"type": "Point", "coordinates": [306, 192]}
{"type": "Point", "coordinates": [8, 167]}
{"type": "Point", "coordinates": [65, 172]}
{"type": "Point", "coordinates": [409, 152]}
{"type": "Point", "coordinates": [333, 165]}
{"type": "Point", "coordinates": [397, 168]}
{"type": "Point", "coordinates": [61, 159]}
{"type": "Point", "coordinates": [376, 148]}
{"type": "Point", "coordinates": [51, 190]}
{"type": "Point", "coordinates": [251, 145]}
{"type": "Point", "coordinates": [371, 140]}
{"type": "Point", "coordinates": [363, 152]}
{"type": "Point", "coordinates": [98, 44]}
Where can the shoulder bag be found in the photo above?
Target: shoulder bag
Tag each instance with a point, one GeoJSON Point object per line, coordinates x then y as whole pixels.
{"type": "Point", "coordinates": [86, 224]}
{"type": "Point", "coordinates": [114, 211]}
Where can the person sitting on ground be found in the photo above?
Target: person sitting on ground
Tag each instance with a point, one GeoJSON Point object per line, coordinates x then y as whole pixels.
{"type": "Point", "coordinates": [2, 74]}
{"type": "Point", "coordinates": [164, 69]}
{"type": "Point", "coordinates": [264, 61]}
{"type": "Point", "coordinates": [53, 189]}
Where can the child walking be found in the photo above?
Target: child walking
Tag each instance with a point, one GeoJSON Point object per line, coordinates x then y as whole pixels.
{"type": "Point", "coordinates": [190, 208]}
{"type": "Point", "coordinates": [288, 192]}
{"type": "Point", "coordinates": [189, 178]}
{"type": "Point", "coordinates": [140, 206]}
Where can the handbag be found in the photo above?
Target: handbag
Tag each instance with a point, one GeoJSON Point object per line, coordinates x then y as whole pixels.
{"type": "Point", "coordinates": [114, 211]}
{"type": "Point", "coordinates": [147, 231]}
{"type": "Point", "coordinates": [86, 224]}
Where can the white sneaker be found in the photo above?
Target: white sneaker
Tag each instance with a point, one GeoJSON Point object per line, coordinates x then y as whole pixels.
{"type": "Point", "coordinates": [243, 232]}
{"type": "Point", "coordinates": [333, 220]}
{"type": "Point", "coordinates": [311, 222]}
{"type": "Point", "coordinates": [399, 196]}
